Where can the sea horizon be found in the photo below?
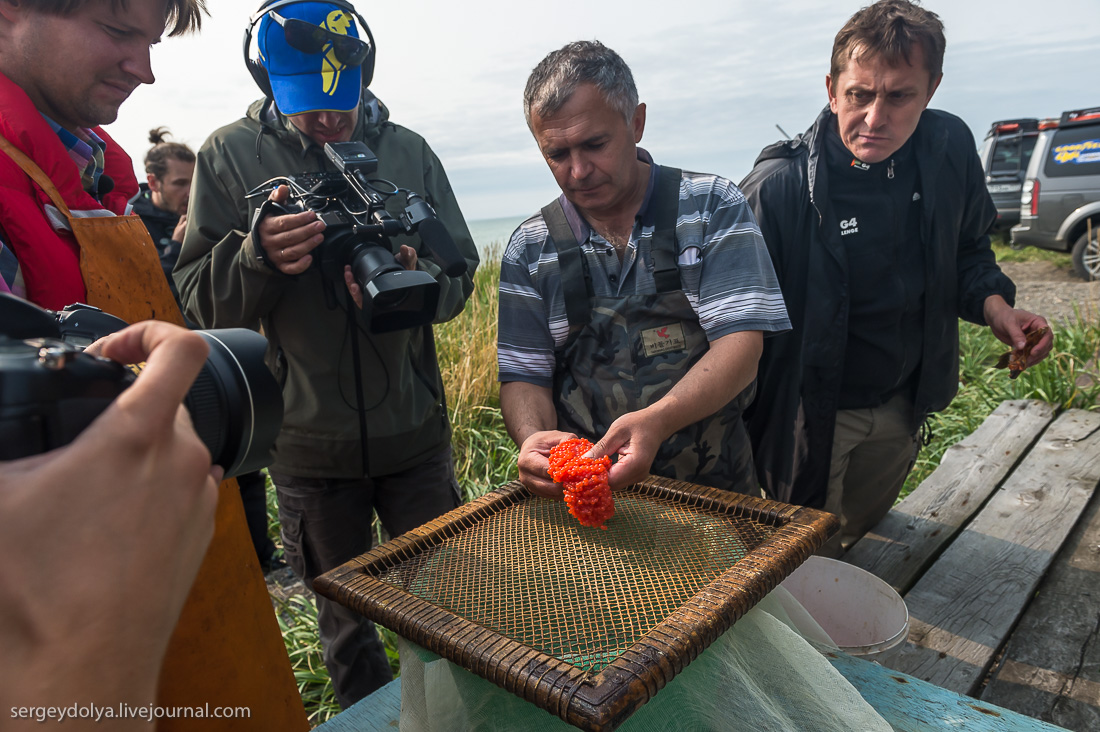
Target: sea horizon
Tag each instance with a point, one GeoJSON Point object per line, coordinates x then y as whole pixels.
{"type": "Point", "coordinates": [492, 235]}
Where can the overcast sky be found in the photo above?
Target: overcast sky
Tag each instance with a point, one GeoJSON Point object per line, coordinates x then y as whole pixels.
{"type": "Point", "coordinates": [717, 76]}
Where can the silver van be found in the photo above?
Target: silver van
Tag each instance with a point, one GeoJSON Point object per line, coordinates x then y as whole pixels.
{"type": "Point", "coordinates": [1005, 153]}
{"type": "Point", "coordinates": [1060, 201]}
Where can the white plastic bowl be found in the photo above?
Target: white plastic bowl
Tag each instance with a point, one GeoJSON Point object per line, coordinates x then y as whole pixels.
{"type": "Point", "coordinates": [863, 615]}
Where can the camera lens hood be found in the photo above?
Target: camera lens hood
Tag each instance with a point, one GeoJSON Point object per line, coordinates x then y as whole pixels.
{"type": "Point", "coordinates": [235, 403]}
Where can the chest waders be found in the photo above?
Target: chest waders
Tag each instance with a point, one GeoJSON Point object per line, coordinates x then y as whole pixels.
{"type": "Point", "coordinates": [625, 353]}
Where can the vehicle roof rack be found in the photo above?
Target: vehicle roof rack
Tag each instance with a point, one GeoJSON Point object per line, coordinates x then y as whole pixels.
{"type": "Point", "coordinates": [1079, 116]}
{"type": "Point", "coordinates": [1024, 124]}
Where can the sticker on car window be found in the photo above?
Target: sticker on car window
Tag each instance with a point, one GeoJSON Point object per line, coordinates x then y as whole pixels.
{"type": "Point", "coordinates": [1086, 151]}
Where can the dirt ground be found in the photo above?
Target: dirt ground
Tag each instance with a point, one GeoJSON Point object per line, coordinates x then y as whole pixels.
{"type": "Point", "coordinates": [1053, 291]}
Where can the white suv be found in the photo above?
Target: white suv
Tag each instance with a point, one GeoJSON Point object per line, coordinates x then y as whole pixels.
{"type": "Point", "coordinates": [1060, 201]}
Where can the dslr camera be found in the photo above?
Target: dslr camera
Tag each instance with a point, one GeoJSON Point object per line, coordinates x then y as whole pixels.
{"type": "Point", "coordinates": [357, 233]}
{"type": "Point", "coordinates": [50, 390]}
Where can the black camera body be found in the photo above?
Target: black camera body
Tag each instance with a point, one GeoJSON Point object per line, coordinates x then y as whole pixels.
{"type": "Point", "coordinates": [50, 390]}
{"type": "Point", "coordinates": [358, 231]}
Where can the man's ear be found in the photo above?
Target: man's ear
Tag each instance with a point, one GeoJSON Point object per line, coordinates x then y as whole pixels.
{"type": "Point", "coordinates": [638, 123]}
{"type": "Point", "coordinates": [932, 90]}
{"type": "Point", "coordinates": [154, 184]}
{"type": "Point", "coordinates": [829, 91]}
{"type": "Point", "coordinates": [11, 10]}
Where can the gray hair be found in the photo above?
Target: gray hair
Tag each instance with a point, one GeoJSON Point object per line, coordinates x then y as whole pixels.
{"type": "Point", "coordinates": [557, 76]}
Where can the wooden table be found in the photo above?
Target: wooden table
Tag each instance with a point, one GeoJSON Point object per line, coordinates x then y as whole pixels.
{"type": "Point", "coordinates": [997, 555]}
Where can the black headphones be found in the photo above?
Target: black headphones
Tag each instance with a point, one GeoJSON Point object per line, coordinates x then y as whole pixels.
{"type": "Point", "coordinates": [259, 73]}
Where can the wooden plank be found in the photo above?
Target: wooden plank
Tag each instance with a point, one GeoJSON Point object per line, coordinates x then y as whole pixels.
{"type": "Point", "coordinates": [963, 608]}
{"type": "Point", "coordinates": [378, 712]}
{"type": "Point", "coordinates": [912, 705]}
{"type": "Point", "coordinates": [1051, 666]}
{"type": "Point", "coordinates": [906, 541]}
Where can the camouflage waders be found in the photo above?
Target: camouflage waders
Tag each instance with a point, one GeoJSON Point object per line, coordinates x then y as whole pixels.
{"type": "Point", "coordinates": [625, 353]}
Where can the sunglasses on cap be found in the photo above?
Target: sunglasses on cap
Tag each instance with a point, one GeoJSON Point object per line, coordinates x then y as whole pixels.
{"type": "Point", "coordinates": [309, 38]}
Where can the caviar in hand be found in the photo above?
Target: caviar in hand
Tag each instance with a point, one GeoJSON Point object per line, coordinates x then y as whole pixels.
{"type": "Point", "coordinates": [587, 492]}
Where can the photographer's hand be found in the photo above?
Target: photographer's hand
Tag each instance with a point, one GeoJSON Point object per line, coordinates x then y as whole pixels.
{"type": "Point", "coordinates": [406, 257]}
{"type": "Point", "coordinates": [289, 239]}
{"type": "Point", "coordinates": [102, 538]}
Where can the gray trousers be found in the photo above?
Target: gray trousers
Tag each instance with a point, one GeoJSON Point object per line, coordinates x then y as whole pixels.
{"type": "Point", "coordinates": [326, 522]}
{"type": "Point", "coordinates": [873, 452]}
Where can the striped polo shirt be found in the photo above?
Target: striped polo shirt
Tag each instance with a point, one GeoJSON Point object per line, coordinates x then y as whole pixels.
{"type": "Point", "coordinates": [725, 272]}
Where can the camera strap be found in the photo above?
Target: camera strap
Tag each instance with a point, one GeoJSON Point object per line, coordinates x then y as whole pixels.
{"type": "Point", "coordinates": [356, 360]}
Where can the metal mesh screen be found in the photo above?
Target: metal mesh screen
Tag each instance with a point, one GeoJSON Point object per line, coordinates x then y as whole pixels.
{"type": "Point", "coordinates": [531, 573]}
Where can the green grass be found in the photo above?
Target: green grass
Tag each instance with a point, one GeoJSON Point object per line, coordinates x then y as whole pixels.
{"type": "Point", "coordinates": [1005, 253]}
{"type": "Point", "coordinates": [298, 624]}
{"type": "Point", "coordinates": [467, 347]}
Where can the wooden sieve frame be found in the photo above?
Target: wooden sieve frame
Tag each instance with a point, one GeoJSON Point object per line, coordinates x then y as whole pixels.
{"type": "Point", "coordinates": [592, 701]}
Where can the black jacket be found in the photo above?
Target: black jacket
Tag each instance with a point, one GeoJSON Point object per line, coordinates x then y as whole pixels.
{"type": "Point", "coordinates": [160, 224]}
{"type": "Point", "coordinates": [791, 423]}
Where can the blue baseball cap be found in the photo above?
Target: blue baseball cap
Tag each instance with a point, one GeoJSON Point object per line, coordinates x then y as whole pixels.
{"type": "Point", "coordinates": [309, 82]}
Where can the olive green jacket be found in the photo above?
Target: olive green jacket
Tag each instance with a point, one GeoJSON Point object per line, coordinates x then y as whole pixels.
{"type": "Point", "coordinates": [223, 284]}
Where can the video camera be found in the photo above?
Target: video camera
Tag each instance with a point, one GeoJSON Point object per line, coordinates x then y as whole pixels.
{"type": "Point", "coordinates": [50, 390]}
{"type": "Point", "coordinates": [358, 231]}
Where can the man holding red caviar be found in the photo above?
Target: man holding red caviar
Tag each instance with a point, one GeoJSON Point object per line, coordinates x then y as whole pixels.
{"type": "Point", "coordinates": [633, 308]}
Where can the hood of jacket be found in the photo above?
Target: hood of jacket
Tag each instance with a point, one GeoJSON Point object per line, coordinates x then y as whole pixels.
{"type": "Point", "coordinates": [807, 144]}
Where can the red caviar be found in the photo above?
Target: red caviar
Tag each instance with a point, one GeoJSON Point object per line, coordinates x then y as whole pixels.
{"type": "Point", "coordinates": [587, 492]}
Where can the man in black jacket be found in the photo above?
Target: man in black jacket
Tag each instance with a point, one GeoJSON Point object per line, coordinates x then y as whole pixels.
{"type": "Point", "coordinates": [877, 222]}
{"type": "Point", "coordinates": [162, 201]}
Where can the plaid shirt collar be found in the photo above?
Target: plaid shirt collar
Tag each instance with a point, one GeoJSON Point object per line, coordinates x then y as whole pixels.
{"type": "Point", "coordinates": [86, 150]}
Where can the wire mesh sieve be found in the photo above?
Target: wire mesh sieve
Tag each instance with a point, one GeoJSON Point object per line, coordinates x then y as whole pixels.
{"type": "Point", "coordinates": [585, 623]}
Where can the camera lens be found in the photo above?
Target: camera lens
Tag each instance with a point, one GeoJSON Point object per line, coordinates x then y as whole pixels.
{"type": "Point", "coordinates": [394, 298]}
{"type": "Point", "coordinates": [50, 391]}
{"type": "Point", "coordinates": [235, 402]}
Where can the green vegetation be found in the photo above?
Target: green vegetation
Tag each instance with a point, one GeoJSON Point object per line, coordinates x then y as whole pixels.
{"type": "Point", "coordinates": [1069, 377]}
{"type": "Point", "coordinates": [467, 346]}
{"type": "Point", "coordinates": [485, 457]}
{"type": "Point", "coordinates": [1005, 253]}
{"type": "Point", "coordinates": [298, 624]}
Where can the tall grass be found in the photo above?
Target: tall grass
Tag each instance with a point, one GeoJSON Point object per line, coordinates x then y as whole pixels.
{"type": "Point", "coordinates": [467, 347]}
{"type": "Point", "coordinates": [298, 623]}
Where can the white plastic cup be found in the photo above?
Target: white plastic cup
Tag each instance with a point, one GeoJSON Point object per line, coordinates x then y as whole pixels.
{"type": "Point", "coordinates": [863, 615]}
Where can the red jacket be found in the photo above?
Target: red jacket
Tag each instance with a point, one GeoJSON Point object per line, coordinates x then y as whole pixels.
{"type": "Point", "coordinates": [49, 257]}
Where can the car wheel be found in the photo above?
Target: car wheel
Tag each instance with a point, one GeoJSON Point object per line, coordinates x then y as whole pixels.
{"type": "Point", "coordinates": [1086, 256]}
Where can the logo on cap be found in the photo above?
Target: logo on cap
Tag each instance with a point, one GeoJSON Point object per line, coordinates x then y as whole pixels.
{"type": "Point", "coordinates": [336, 22]}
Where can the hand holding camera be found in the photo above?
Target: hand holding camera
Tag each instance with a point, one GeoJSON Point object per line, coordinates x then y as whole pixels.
{"type": "Point", "coordinates": [110, 532]}
{"type": "Point", "coordinates": [51, 390]}
{"type": "Point", "coordinates": [289, 238]}
{"type": "Point", "coordinates": [336, 220]}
